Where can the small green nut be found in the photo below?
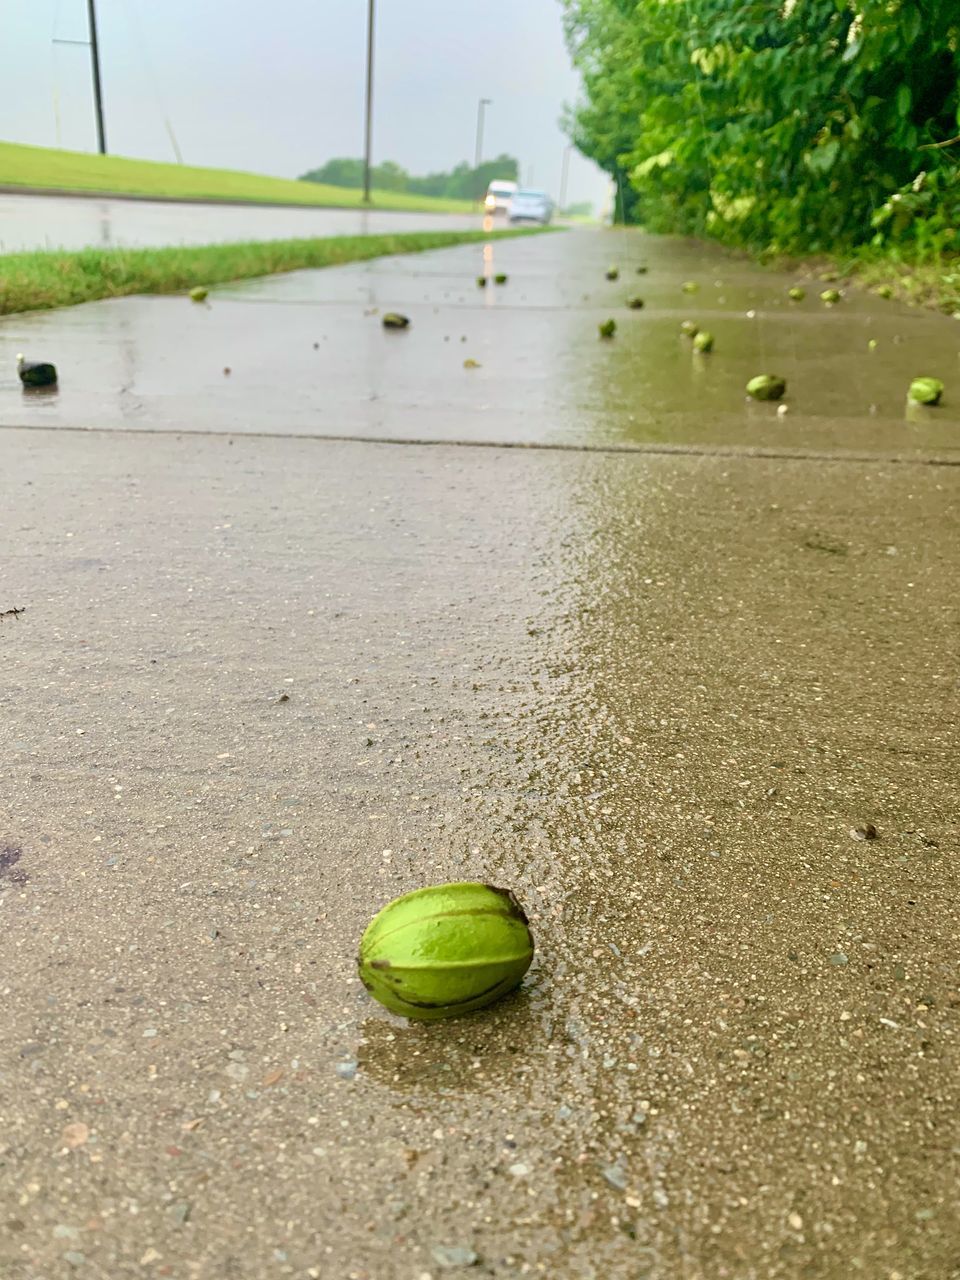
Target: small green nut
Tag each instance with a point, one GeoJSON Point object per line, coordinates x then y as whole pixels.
{"type": "Point", "coordinates": [445, 950]}
{"type": "Point", "coordinates": [926, 390]}
{"type": "Point", "coordinates": [796, 294]}
{"type": "Point", "coordinates": [635, 303]}
{"type": "Point", "coordinates": [642, 271]}
{"type": "Point", "coordinates": [500, 277]}
{"type": "Point", "coordinates": [703, 341]}
{"type": "Point", "coordinates": [613, 273]}
{"type": "Point", "coordinates": [871, 344]}
{"type": "Point", "coordinates": [766, 386]}
{"type": "Point", "coordinates": [689, 286]}
{"type": "Point", "coordinates": [689, 328]}
{"type": "Point", "coordinates": [607, 328]}
{"type": "Point", "coordinates": [394, 320]}
{"type": "Point", "coordinates": [884, 291]}
{"type": "Point", "coordinates": [830, 296]}
{"type": "Point", "coordinates": [481, 282]}
{"type": "Point", "coordinates": [829, 275]}
{"type": "Point", "coordinates": [199, 293]}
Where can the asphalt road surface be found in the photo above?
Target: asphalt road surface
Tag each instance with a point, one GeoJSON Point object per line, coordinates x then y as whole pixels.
{"type": "Point", "coordinates": [82, 222]}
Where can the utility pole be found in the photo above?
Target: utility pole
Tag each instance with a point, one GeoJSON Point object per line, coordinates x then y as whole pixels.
{"type": "Point", "coordinates": [97, 87]}
{"type": "Point", "coordinates": [368, 123]}
{"type": "Point", "coordinates": [478, 155]}
{"type": "Point", "coordinates": [94, 47]}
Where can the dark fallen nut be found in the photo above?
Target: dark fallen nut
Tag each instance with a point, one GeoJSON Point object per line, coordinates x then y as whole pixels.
{"type": "Point", "coordinates": [635, 303]}
{"type": "Point", "coordinates": [608, 328]}
{"type": "Point", "coordinates": [36, 373]}
{"type": "Point", "coordinates": [867, 832]}
{"type": "Point", "coordinates": [394, 320]}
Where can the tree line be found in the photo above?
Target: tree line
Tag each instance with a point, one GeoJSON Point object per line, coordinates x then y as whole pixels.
{"type": "Point", "coordinates": [462, 183]}
{"type": "Point", "coordinates": [802, 125]}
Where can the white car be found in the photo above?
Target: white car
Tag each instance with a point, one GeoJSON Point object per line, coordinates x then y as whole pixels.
{"type": "Point", "coordinates": [499, 195]}
{"type": "Point", "coordinates": [531, 206]}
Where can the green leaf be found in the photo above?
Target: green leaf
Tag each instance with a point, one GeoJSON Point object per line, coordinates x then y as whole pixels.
{"type": "Point", "coordinates": [823, 157]}
{"type": "Point", "coordinates": [911, 23]}
{"type": "Point", "coordinates": [904, 99]}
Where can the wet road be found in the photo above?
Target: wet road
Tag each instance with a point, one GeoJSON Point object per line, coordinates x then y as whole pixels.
{"type": "Point", "coordinates": [66, 222]}
{"type": "Point", "coordinates": [653, 693]}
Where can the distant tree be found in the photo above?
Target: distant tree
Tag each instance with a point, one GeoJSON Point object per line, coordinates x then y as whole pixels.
{"type": "Point", "coordinates": [390, 177]}
{"type": "Point", "coordinates": [461, 183]}
{"type": "Point", "coordinates": [342, 172]}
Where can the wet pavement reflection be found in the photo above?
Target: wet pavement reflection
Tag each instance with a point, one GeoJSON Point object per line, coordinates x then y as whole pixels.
{"type": "Point", "coordinates": [30, 222]}
{"type": "Point", "coordinates": [307, 355]}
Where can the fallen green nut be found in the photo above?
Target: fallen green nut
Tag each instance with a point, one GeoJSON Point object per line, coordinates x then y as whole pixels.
{"type": "Point", "coordinates": [766, 386]}
{"type": "Point", "coordinates": [394, 320]}
{"type": "Point", "coordinates": [481, 282]}
{"type": "Point", "coordinates": [445, 950]}
{"type": "Point", "coordinates": [635, 303]}
{"type": "Point", "coordinates": [830, 296]}
{"type": "Point", "coordinates": [796, 294]}
{"type": "Point", "coordinates": [642, 271]}
{"type": "Point", "coordinates": [884, 291]}
{"type": "Point", "coordinates": [613, 273]}
{"type": "Point", "coordinates": [703, 341]}
{"type": "Point", "coordinates": [689, 328]}
{"type": "Point", "coordinates": [926, 390]}
{"type": "Point", "coordinates": [689, 286]}
{"type": "Point", "coordinates": [871, 344]}
{"type": "Point", "coordinates": [829, 275]}
{"type": "Point", "coordinates": [500, 277]}
{"type": "Point", "coordinates": [608, 328]}
{"type": "Point", "coordinates": [199, 293]}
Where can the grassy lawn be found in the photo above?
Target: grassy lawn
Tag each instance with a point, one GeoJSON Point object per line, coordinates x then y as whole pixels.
{"type": "Point", "coordinates": [114, 175]}
{"type": "Point", "coordinates": [54, 278]}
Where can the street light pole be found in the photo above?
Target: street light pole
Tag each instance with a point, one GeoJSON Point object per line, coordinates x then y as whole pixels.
{"type": "Point", "coordinates": [478, 156]}
{"type": "Point", "coordinates": [97, 87]}
{"type": "Point", "coordinates": [563, 176]}
{"type": "Point", "coordinates": [368, 121]}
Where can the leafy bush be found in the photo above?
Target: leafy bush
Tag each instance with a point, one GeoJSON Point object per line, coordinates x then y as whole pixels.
{"type": "Point", "coordinates": [787, 125]}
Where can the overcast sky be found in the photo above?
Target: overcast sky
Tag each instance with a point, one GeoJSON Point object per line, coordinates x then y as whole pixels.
{"type": "Point", "coordinates": [278, 87]}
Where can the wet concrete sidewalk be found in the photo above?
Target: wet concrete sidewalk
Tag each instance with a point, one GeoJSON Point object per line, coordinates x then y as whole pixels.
{"type": "Point", "coordinates": [307, 355]}
{"type": "Point", "coordinates": [265, 682]}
